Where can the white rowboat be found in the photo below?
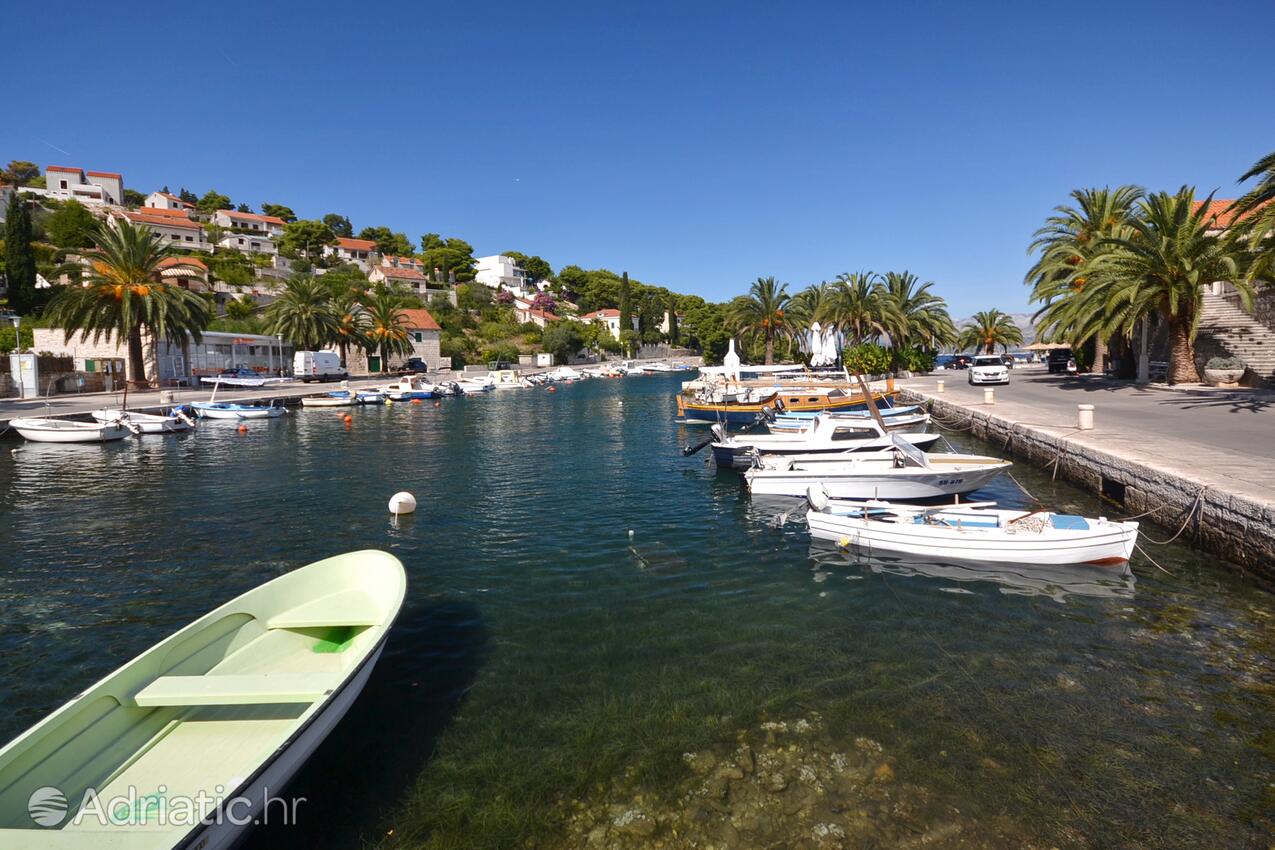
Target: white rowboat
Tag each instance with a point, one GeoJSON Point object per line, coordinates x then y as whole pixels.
{"type": "Point", "coordinates": [144, 423]}
{"type": "Point", "coordinates": [971, 533]}
{"type": "Point", "coordinates": [66, 431]}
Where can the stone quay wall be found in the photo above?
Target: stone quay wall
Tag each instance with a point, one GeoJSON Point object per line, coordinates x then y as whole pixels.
{"type": "Point", "coordinates": [1236, 528]}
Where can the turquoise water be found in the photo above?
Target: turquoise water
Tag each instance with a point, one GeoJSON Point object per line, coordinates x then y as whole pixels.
{"type": "Point", "coordinates": [546, 665]}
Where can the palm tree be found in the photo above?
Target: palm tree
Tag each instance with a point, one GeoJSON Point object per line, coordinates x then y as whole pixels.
{"type": "Point", "coordinates": [387, 324]}
{"type": "Point", "coordinates": [303, 314]}
{"type": "Point", "coordinates": [352, 322]}
{"type": "Point", "coordinates": [1163, 267]}
{"type": "Point", "coordinates": [913, 315]}
{"type": "Point", "coordinates": [762, 311]}
{"type": "Point", "coordinates": [1257, 209]}
{"type": "Point", "coordinates": [1068, 244]}
{"type": "Point", "coordinates": [857, 308]}
{"type": "Point", "coordinates": [124, 296]}
{"type": "Point", "coordinates": [812, 304]}
{"type": "Point", "coordinates": [988, 329]}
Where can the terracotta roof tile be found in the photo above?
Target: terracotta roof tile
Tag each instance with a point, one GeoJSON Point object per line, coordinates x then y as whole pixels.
{"type": "Point", "coordinates": [64, 168]}
{"type": "Point", "coordinates": [105, 174]}
{"type": "Point", "coordinates": [160, 220]}
{"type": "Point", "coordinates": [1219, 213]}
{"type": "Point", "coordinates": [355, 244]}
{"type": "Point", "coordinates": [419, 319]}
{"type": "Point", "coordinates": [606, 313]}
{"type": "Point", "coordinates": [164, 212]}
{"type": "Point", "coordinates": [401, 273]}
{"type": "Point", "coordinates": [270, 219]}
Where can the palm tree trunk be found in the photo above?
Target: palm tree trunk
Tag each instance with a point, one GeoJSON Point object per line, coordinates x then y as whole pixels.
{"type": "Point", "coordinates": [136, 356]}
{"type": "Point", "coordinates": [770, 347]}
{"type": "Point", "coordinates": [1099, 355]}
{"type": "Point", "coordinates": [1181, 352]}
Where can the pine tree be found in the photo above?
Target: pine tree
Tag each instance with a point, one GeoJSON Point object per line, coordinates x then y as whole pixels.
{"type": "Point", "coordinates": [626, 321]}
{"type": "Point", "coordinates": [19, 256]}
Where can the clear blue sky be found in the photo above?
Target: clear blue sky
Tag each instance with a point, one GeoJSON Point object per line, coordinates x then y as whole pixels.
{"type": "Point", "coordinates": [696, 144]}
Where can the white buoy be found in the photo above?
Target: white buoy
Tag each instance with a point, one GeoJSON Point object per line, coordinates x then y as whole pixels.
{"type": "Point", "coordinates": [402, 503]}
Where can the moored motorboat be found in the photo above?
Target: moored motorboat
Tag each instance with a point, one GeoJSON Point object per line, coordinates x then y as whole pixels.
{"type": "Point", "coordinates": [67, 431]}
{"type": "Point", "coordinates": [409, 389]}
{"type": "Point", "coordinates": [338, 398]}
{"type": "Point", "coordinates": [369, 397]}
{"type": "Point", "coordinates": [231, 410]}
{"type": "Point", "coordinates": [966, 533]}
{"type": "Point", "coordinates": [894, 418]}
{"type": "Point", "coordinates": [145, 423]}
{"type": "Point", "coordinates": [209, 722]}
{"type": "Point", "coordinates": [900, 473]}
{"type": "Point", "coordinates": [827, 434]}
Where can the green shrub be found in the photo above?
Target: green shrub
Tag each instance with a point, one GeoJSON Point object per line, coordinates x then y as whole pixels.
{"type": "Point", "coordinates": [867, 359]}
{"type": "Point", "coordinates": [914, 359]}
{"type": "Point", "coordinates": [500, 351]}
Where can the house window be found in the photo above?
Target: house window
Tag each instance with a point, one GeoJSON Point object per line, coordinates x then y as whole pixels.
{"type": "Point", "coordinates": [418, 336]}
{"type": "Point", "coordinates": [175, 238]}
{"type": "Point", "coordinates": [62, 183]}
{"type": "Point", "coordinates": [189, 239]}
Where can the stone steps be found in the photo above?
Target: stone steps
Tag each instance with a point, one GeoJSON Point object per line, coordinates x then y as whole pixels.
{"type": "Point", "coordinates": [1225, 329]}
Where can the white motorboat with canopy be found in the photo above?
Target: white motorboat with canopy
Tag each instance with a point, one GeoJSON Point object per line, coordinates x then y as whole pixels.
{"type": "Point", "coordinates": [902, 472]}
{"type": "Point", "coordinates": [835, 435]}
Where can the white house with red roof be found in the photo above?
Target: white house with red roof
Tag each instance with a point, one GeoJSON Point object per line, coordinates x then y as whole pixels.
{"type": "Point", "coordinates": [88, 187]}
{"type": "Point", "coordinates": [609, 317]}
{"type": "Point", "coordinates": [249, 222]}
{"type": "Point", "coordinates": [426, 338]}
{"type": "Point", "coordinates": [165, 201]}
{"type": "Point", "coordinates": [410, 278]}
{"type": "Point", "coordinates": [361, 252]}
{"type": "Point", "coordinates": [176, 231]}
{"type": "Point", "coordinates": [524, 312]}
{"type": "Point", "coordinates": [249, 243]}
{"type": "Point", "coordinates": [395, 262]}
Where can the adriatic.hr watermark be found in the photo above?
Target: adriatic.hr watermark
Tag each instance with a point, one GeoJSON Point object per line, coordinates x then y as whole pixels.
{"type": "Point", "coordinates": [49, 807]}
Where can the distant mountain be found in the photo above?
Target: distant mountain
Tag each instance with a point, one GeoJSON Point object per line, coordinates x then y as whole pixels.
{"type": "Point", "coordinates": [1023, 320]}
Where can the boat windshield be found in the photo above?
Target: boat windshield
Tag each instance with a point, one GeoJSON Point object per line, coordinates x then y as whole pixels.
{"type": "Point", "coordinates": [911, 452]}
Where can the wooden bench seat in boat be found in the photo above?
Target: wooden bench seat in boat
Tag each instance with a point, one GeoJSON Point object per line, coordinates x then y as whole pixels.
{"type": "Point", "coordinates": [345, 608]}
{"type": "Point", "coordinates": [251, 689]}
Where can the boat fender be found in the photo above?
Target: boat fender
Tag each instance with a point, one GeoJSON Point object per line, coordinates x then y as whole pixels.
{"type": "Point", "coordinates": [243, 429]}
{"type": "Point", "coordinates": [416, 401]}
{"type": "Point", "coordinates": [348, 419]}
{"type": "Point", "coordinates": [402, 503]}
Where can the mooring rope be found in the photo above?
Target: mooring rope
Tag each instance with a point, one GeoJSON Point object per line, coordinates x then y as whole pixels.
{"type": "Point", "coordinates": [1186, 521]}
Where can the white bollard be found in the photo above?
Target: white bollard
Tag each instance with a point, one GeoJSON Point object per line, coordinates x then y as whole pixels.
{"type": "Point", "coordinates": [989, 395]}
{"type": "Point", "coordinates": [1084, 417]}
{"type": "Point", "coordinates": [939, 389]}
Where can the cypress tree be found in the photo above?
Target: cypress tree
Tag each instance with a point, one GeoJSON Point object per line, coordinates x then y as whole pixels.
{"type": "Point", "coordinates": [19, 256]}
{"type": "Point", "coordinates": [626, 320]}
{"type": "Point", "coordinates": [672, 322]}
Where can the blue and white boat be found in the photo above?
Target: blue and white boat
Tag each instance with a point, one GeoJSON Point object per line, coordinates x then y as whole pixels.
{"type": "Point", "coordinates": [409, 389]}
{"type": "Point", "coordinates": [369, 397]}
{"type": "Point", "coordinates": [232, 410]}
{"type": "Point", "coordinates": [894, 418]}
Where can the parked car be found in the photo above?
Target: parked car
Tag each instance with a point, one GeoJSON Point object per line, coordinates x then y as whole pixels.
{"type": "Point", "coordinates": [415, 364]}
{"type": "Point", "coordinates": [988, 369]}
{"type": "Point", "coordinates": [1008, 360]}
{"type": "Point", "coordinates": [238, 372]}
{"type": "Point", "coordinates": [1058, 360]}
{"type": "Point", "coordinates": [953, 361]}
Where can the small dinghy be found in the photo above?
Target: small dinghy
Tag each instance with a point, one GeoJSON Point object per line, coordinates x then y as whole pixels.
{"type": "Point", "coordinates": [145, 423]}
{"type": "Point", "coordinates": [339, 398]}
{"type": "Point", "coordinates": [369, 397]}
{"type": "Point", "coordinates": [66, 431]}
{"type": "Point", "coordinates": [975, 532]}
{"type": "Point", "coordinates": [181, 746]}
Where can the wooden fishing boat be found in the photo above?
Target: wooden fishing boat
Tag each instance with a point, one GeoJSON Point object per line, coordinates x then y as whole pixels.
{"type": "Point", "coordinates": [976, 532]}
{"type": "Point", "coordinates": [699, 410]}
{"type": "Point", "coordinates": [223, 711]}
{"type": "Point", "coordinates": [67, 431]}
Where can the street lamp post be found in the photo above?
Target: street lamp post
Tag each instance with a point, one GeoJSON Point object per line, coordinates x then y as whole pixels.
{"type": "Point", "coordinates": [281, 358]}
{"type": "Point", "coordinates": [17, 349]}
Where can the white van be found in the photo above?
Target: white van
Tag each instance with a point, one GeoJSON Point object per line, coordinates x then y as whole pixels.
{"type": "Point", "coordinates": [310, 366]}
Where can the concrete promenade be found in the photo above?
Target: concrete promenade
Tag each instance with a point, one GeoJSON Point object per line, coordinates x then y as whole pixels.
{"type": "Point", "coordinates": [1204, 453]}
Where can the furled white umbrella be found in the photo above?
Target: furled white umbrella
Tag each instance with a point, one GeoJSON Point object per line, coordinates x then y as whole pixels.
{"type": "Point", "coordinates": [831, 346]}
{"type": "Point", "coordinates": [730, 363]}
{"type": "Point", "coordinates": [813, 340]}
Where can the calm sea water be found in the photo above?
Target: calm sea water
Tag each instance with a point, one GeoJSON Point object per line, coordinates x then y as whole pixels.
{"type": "Point", "coordinates": [542, 653]}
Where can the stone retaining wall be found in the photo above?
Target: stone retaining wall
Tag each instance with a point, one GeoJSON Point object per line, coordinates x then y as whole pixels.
{"type": "Point", "coordinates": [1236, 528]}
